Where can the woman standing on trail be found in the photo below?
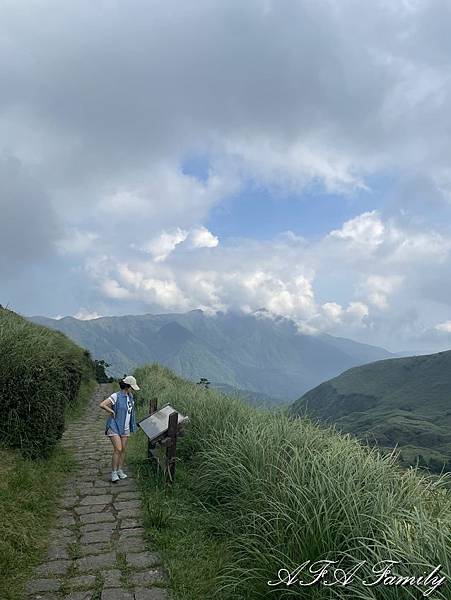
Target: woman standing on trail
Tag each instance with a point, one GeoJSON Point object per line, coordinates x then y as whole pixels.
{"type": "Point", "coordinates": [120, 423]}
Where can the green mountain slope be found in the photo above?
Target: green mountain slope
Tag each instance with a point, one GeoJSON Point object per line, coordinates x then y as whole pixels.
{"type": "Point", "coordinates": [261, 355]}
{"type": "Point", "coordinates": [400, 401]}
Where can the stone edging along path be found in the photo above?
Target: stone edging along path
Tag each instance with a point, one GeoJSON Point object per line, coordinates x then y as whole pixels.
{"type": "Point", "coordinates": [97, 550]}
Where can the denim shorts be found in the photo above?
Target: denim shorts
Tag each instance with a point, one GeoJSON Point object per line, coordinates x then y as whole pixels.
{"type": "Point", "coordinates": [111, 432]}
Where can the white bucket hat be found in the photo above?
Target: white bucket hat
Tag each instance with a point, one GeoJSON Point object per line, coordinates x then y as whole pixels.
{"type": "Point", "coordinates": [131, 381]}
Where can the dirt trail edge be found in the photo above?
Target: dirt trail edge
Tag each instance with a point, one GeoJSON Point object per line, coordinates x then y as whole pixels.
{"type": "Point", "coordinates": [96, 549]}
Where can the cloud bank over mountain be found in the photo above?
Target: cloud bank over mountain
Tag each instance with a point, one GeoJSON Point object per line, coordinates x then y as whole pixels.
{"type": "Point", "coordinates": [126, 128]}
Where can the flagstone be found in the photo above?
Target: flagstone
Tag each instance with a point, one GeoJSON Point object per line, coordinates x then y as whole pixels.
{"type": "Point", "coordinates": [153, 593]}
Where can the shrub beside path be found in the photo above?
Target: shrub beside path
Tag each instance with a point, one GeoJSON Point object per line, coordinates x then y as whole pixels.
{"type": "Point", "coordinates": [97, 549]}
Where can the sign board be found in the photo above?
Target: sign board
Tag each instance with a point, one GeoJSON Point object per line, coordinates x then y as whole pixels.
{"type": "Point", "coordinates": [156, 424]}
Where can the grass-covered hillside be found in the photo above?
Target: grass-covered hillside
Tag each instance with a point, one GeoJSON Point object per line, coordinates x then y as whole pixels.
{"type": "Point", "coordinates": [256, 492]}
{"type": "Point", "coordinates": [401, 401]}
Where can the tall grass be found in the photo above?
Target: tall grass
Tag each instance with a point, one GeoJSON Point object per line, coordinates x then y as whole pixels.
{"type": "Point", "coordinates": [280, 491]}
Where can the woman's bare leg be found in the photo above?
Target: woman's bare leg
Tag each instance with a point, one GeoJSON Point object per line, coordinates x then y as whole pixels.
{"type": "Point", "coordinates": [124, 439]}
{"type": "Point", "coordinates": [117, 451]}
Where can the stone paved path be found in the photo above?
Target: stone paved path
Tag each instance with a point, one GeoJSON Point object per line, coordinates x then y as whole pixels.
{"type": "Point", "coordinates": [97, 550]}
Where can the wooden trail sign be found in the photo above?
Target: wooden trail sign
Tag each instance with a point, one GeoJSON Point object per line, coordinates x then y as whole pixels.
{"type": "Point", "coordinates": [162, 428]}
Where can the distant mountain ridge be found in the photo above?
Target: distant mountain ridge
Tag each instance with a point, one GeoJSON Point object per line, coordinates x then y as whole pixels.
{"type": "Point", "coordinates": [251, 352]}
{"type": "Point", "coordinates": [402, 401]}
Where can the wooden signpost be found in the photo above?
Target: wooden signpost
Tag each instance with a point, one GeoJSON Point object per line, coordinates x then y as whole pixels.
{"type": "Point", "coordinates": [162, 428]}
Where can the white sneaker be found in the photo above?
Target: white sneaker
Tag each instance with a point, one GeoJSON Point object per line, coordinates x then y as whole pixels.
{"type": "Point", "coordinates": [114, 476]}
{"type": "Point", "coordinates": [121, 474]}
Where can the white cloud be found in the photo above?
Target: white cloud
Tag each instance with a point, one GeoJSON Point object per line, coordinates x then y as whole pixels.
{"type": "Point", "coordinates": [369, 237]}
{"type": "Point", "coordinates": [76, 241]}
{"type": "Point", "coordinates": [407, 246]}
{"type": "Point", "coordinates": [265, 287]}
{"type": "Point", "coordinates": [446, 327]}
{"type": "Point", "coordinates": [291, 166]}
{"type": "Point", "coordinates": [289, 236]}
{"type": "Point", "coordinates": [161, 196]}
{"type": "Point", "coordinates": [165, 243]}
{"type": "Point", "coordinates": [356, 311]}
{"type": "Point", "coordinates": [86, 315]}
{"type": "Point", "coordinates": [144, 282]}
{"type": "Point", "coordinates": [162, 246]}
{"type": "Point", "coordinates": [206, 290]}
{"type": "Point", "coordinates": [164, 292]}
{"type": "Point", "coordinates": [366, 230]}
{"type": "Point", "coordinates": [331, 315]}
{"type": "Point", "coordinates": [378, 289]}
{"type": "Point", "coordinates": [112, 289]}
{"type": "Point", "coordinates": [202, 238]}
{"type": "Point", "coordinates": [332, 311]}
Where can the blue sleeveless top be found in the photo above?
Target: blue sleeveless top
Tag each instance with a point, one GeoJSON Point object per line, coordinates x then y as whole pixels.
{"type": "Point", "coordinates": [124, 405]}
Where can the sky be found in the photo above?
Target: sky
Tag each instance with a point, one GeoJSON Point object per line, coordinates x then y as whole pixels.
{"type": "Point", "coordinates": [164, 156]}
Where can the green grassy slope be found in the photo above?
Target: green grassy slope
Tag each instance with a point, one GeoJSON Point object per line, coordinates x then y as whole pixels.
{"type": "Point", "coordinates": [256, 492]}
{"type": "Point", "coordinates": [403, 401]}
